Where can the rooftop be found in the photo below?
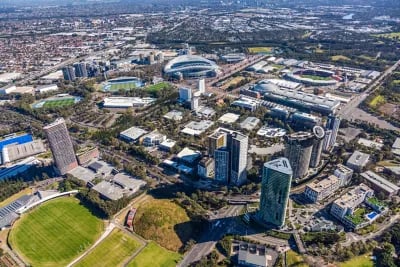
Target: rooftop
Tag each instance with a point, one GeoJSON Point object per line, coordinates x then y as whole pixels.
{"type": "Point", "coordinates": [197, 127]}
{"type": "Point", "coordinates": [280, 165]}
{"type": "Point", "coordinates": [250, 123]}
{"type": "Point", "coordinates": [133, 133]}
{"type": "Point", "coordinates": [380, 182]}
{"type": "Point", "coordinates": [229, 118]}
{"type": "Point", "coordinates": [174, 115]}
{"type": "Point", "coordinates": [352, 197]}
{"type": "Point", "coordinates": [324, 184]}
{"type": "Point", "coordinates": [358, 158]}
{"type": "Point", "coordinates": [188, 155]}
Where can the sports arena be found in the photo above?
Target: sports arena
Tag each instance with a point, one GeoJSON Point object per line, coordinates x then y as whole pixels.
{"type": "Point", "coordinates": [191, 66]}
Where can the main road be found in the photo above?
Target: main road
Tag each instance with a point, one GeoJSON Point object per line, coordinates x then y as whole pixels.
{"type": "Point", "coordinates": [349, 110]}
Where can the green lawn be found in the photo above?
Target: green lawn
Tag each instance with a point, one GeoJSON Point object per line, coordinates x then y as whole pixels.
{"type": "Point", "coordinates": [113, 251]}
{"type": "Point", "coordinates": [122, 86]}
{"type": "Point", "coordinates": [156, 87]}
{"type": "Point", "coordinates": [316, 78]}
{"type": "Point", "coordinates": [59, 103]}
{"type": "Point", "coordinates": [55, 233]}
{"type": "Point", "coordinates": [340, 57]}
{"type": "Point", "coordinates": [359, 261]}
{"type": "Point", "coordinates": [155, 256]}
{"type": "Point", "coordinates": [260, 49]}
{"type": "Point", "coordinates": [392, 35]}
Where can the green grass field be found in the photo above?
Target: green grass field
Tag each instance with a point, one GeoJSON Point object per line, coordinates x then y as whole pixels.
{"type": "Point", "coordinates": [316, 78]}
{"type": "Point", "coordinates": [54, 233]}
{"type": "Point", "coordinates": [163, 221]}
{"type": "Point", "coordinates": [392, 35]}
{"type": "Point", "coordinates": [155, 256]}
{"type": "Point", "coordinates": [113, 251]}
{"type": "Point", "coordinates": [122, 86]}
{"type": "Point", "coordinates": [260, 49]}
{"type": "Point", "coordinates": [59, 103]}
{"type": "Point", "coordinates": [359, 261]}
{"type": "Point", "coordinates": [156, 87]}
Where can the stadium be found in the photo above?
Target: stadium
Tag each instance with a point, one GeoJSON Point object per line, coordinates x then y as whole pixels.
{"type": "Point", "coordinates": [190, 66]}
{"type": "Point", "coordinates": [58, 101]}
{"type": "Point", "coordinates": [122, 83]}
{"type": "Point", "coordinates": [313, 77]}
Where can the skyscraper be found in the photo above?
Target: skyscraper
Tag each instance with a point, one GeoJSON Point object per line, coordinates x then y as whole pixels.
{"type": "Point", "coordinates": [333, 124]}
{"type": "Point", "coordinates": [69, 73]}
{"type": "Point", "coordinates": [222, 166]}
{"type": "Point", "coordinates": [275, 187]}
{"type": "Point", "coordinates": [194, 104]}
{"type": "Point", "coordinates": [61, 146]}
{"type": "Point", "coordinates": [319, 134]}
{"type": "Point", "coordinates": [327, 139]}
{"type": "Point", "coordinates": [185, 94]}
{"type": "Point", "coordinates": [298, 148]}
{"type": "Point", "coordinates": [81, 70]}
{"type": "Point", "coordinates": [201, 86]}
{"type": "Point", "coordinates": [229, 150]}
{"type": "Point", "coordinates": [239, 147]}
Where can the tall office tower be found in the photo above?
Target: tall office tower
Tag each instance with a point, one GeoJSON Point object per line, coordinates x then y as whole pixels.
{"type": "Point", "coordinates": [239, 145]}
{"type": "Point", "coordinates": [216, 141]}
{"type": "Point", "coordinates": [194, 104]}
{"type": "Point", "coordinates": [319, 134]}
{"type": "Point", "coordinates": [61, 146]}
{"type": "Point", "coordinates": [222, 166]}
{"type": "Point", "coordinates": [185, 94]}
{"type": "Point", "coordinates": [327, 139]}
{"type": "Point", "coordinates": [201, 86]}
{"type": "Point", "coordinates": [333, 124]}
{"type": "Point", "coordinates": [81, 70]}
{"type": "Point", "coordinates": [69, 73]}
{"type": "Point", "coordinates": [298, 150]}
{"type": "Point", "coordinates": [275, 187]}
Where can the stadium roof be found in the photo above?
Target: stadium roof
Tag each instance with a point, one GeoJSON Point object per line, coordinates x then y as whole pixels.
{"type": "Point", "coordinates": [190, 64]}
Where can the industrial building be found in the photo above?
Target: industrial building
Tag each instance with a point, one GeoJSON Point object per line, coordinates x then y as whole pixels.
{"type": "Point", "coordinates": [380, 184]}
{"type": "Point", "coordinates": [132, 134]}
{"type": "Point", "coordinates": [275, 187]}
{"type": "Point", "coordinates": [299, 99]}
{"type": "Point", "coordinates": [61, 146]}
{"type": "Point", "coordinates": [127, 102]}
{"type": "Point", "coordinates": [15, 152]}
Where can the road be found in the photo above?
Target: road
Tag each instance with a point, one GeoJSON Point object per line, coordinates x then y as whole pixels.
{"type": "Point", "coordinates": [352, 237]}
{"type": "Point", "coordinates": [350, 111]}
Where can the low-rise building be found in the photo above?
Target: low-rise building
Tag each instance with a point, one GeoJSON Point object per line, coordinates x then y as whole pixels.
{"type": "Point", "coordinates": [247, 103]}
{"type": "Point", "coordinates": [205, 168]}
{"type": "Point", "coordinates": [250, 123]}
{"type": "Point", "coordinates": [396, 147]}
{"type": "Point", "coordinates": [188, 155]}
{"type": "Point", "coordinates": [167, 145]}
{"type": "Point", "coordinates": [46, 88]}
{"type": "Point", "coordinates": [196, 128]}
{"type": "Point", "coordinates": [344, 174]}
{"type": "Point", "coordinates": [174, 115]}
{"type": "Point", "coordinates": [369, 143]}
{"type": "Point", "coordinates": [380, 184]}
{"type": "Point", "coordinates": [87, 154]}
{"type": "Point", "coordinates": [15, 152]}
{"type": "Point", "coordinates": [127, 102]}
{"type": "Point", "coordinates": [229, 118]}
{"type": "Point", "coordinates": [153, 139]}
{"type": "Point", "coordinates": [317, 191]}
{"type": "Point", "coordinates": [345, 205]}
{"type": "Point", "coordinates": [357, 161]}
{"type": "Point", "coordinates": [253, 255]}
{"type": "Point", "coordinates": [132, 134]}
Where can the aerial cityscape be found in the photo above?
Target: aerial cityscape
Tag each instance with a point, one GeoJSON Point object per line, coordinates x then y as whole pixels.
{"type": "Point", "coordinates": [183, 133]}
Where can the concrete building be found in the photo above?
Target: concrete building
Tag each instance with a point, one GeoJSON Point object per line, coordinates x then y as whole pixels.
{"type": "Point", "coordinates": [357, 161]}
{"type": "Point", "coordinates": [167, 145]}
{"type": "Point", "coordinates": [46, 88]}
{"type": "Point", "coordinates": [174, 115]}
{"type": "Point", "coordinates": [127, 102]}
{"type": "Point", "coordinates": [380, 184]}
{"type": "Point", "coordinates": [132, 134]}
{"type": "Point", "coordinates": [275, 187]}
{"type": "Point", "coordinates": [229, 118]}
{"type": "Point", "coordinates": [253, 255]}
{"type": "Point", "coordinates": [246, 103]}
{"type": "Point", "coordinates": [196, 128]}
{"type": "Point", "coordinates": [344, 174]}
{"type": "Point", "coordinates": [304, 121]}
{"type": "Point", "coordinates": [87, 154]}
{"type": "Point", "coordinates": [185, 94]}
{"type": "Point", "coordinates": [188, 155]}
{"type": "Point", "coordinates": [154, 138]}
{"type": "Point", "coordinates": [250, 123]}
{"type": "Point", "coordinates": [316, 152]}
{"type": "Point", "coordinates": [217, 140]}
{"type": "Point", "coordinates": [201, 86]}
{"type": "Point", "coordinates": [15, 152]}
{"type": "Point", "coordinates": [396, 147]}
{"type": "Point", "coordinates": [18, 168]}
{"type": "Point", "coordinates": [61, 146]}
{"type": "Point", "coordinates": [298, 149]}
{"type": "Point", "coordinates": [317, 191]}
{"type": "Point", "coordinates": [205, 168]}
{"type": "Point", "coordinates": [326, 143]}
{"type": "Point", "coordinates": [194, 103]}
{"type": "Point", "coordinates": [333, 124]}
